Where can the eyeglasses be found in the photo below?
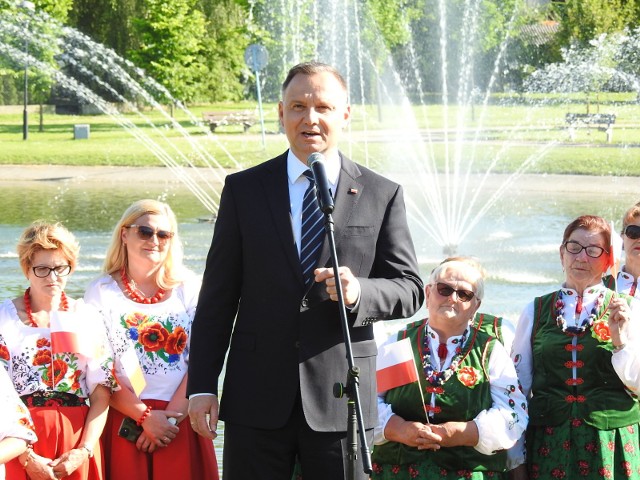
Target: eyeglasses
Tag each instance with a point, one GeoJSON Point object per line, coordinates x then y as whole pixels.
{"type": "Point", "coordinates": [60, 270]}
{"type": "Point", "coordinates": [632, 232]}
{"type": "Point", "coordinates": [447, 290]}
{"type": "Point", "coordinates": [591, 250]}
{"type": "Point", "coordinates": [146, 233]}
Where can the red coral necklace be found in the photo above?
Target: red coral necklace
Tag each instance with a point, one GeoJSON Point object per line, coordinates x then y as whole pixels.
{"type": "Point", "coordinates": [64, 306]}
{"type": "Point", "coordinates": [132, 291]}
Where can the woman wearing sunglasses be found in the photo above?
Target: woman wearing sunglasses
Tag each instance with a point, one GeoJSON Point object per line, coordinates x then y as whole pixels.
{"type": "Point", "coordinates": [627, 281]}
{"type": "Point", "coordinates": [465, 410]}
{"type": "Point", "coordinates": [149, 298]}
{"type": "Point", "coordinates": [55, 351]}
{"type": "Point", "coordinates": [576, 356]}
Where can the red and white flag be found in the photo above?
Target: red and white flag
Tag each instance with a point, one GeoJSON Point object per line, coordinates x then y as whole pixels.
{"type": "Point", "coordinates": [615, 250]}
{"type": "Point", "coordinates": [395, 365]}
{"type": "Point", "coordinates": [70, 335]}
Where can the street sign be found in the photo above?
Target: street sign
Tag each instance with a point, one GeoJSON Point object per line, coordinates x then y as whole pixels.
{"type": "Point", "coordinates": [256, 57]}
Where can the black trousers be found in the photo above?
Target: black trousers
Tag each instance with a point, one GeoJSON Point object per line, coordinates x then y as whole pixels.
{"type": "Point", "coordinates": [257, 454]}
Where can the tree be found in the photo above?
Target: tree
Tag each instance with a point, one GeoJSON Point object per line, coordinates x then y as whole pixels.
{"type": "Point", "coordinates": [108, 22]}
{"type": "Point", "coordinates": [170, 35]}
{"type": "Point", "coordinates": [222, 50]}
{"type": "Point", "coordinates": [584, 20]}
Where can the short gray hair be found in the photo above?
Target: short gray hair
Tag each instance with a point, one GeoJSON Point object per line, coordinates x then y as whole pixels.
{"type": "Point", "coordinates": [455, 263]}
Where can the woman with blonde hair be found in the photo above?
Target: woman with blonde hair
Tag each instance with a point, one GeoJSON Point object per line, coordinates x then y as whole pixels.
{"type": "Point", "coordinates": [628, 276]}
{"type": "Point", "coordinates": [55, 352]}
{"type": "Point", "coordinates": [149, 300]}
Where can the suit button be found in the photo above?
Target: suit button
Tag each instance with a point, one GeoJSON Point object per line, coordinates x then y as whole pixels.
{"type": "Point", "coordinates": [296, 344]}
{"type": "Point", "coordinates": [305, 303]}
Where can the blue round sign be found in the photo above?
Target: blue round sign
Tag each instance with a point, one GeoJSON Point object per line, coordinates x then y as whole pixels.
{"type": "Point", "coordinates": [256, 57]}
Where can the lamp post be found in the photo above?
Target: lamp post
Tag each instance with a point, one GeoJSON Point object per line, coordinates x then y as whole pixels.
{"type": "Point", "coordinates": [25, 4]}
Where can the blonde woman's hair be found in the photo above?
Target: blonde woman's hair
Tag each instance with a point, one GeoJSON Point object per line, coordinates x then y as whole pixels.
{"type": "Point", "coordinates": [630, 216]}
{"type": "Point", "coordinates": [171, 272]}
{"type": "Point", "coordinates": [41, 235]}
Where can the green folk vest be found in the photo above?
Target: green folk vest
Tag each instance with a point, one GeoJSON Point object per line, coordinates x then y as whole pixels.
{"type": "Point", "coordinates": [454, 402]}
{"type": "Point", "coordinates": [489, 324]}
{"type": "Point", "coordinates": [594, 394]}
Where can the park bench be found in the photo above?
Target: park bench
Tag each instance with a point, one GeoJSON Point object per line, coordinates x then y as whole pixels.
{"type": "Point", "coordinates": [217, 119]}
{"type": "Point", "coordinates": [602, 121]}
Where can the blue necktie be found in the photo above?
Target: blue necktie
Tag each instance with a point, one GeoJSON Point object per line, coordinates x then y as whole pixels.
{"type": "Point", "coordinates": [311, 237]}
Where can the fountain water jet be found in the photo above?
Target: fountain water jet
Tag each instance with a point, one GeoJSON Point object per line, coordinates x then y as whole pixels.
{"type": "Point", "coordinates": [98, 76]}
{"type": "Point", "coordinates": [446, 164]}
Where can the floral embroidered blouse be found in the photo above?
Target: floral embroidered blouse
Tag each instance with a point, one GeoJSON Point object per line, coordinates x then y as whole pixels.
{"type": "Point", "coordinates": [158, 333]}
{"type": "Point", "coordinates": [15, 421]}
{"type": "Point", "coordinates": [26, 353]}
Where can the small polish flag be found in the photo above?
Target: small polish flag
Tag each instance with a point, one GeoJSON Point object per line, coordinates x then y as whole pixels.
{"type": "Point", "coordinates": [615, 250]}
{"type": "Point", "coordinates": [395, 365]}
{"type": "Point", "coordinates": [132, 372]}
{"type": "Point", "coordinates": [70, 335]}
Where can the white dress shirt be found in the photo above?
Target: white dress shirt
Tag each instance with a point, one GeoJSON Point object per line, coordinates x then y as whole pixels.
{"type": "Point", "coordinates": [298, 184]}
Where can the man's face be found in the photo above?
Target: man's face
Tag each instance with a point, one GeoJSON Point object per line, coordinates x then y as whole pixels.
{"type": "Point", "coordinates": [313, 113]}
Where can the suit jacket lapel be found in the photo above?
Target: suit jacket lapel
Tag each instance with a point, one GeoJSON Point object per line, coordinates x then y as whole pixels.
{"type": "Point", "coordinates": [345, 202]}
{"type": "Point", "coordinates": [276, 190]}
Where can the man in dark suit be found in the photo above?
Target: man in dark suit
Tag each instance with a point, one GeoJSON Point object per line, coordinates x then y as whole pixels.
{"type": "Point", "coordinates": [284, 338]}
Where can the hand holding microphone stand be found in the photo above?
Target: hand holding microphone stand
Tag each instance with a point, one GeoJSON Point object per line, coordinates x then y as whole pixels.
{"type": "Point", "coordinates": [355, 423]}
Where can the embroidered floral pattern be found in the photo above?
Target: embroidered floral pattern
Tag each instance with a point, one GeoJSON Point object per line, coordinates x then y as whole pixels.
{"type": "Point", "coordinates": [576, 450]}
{"type": "Point", "coordinates": [26, 353]}
{"type": "Point", "coordinates": [468, 376]}
{"type": "Point", "coordinates": [154, 337]}
{"type": "Point", "coordinates": [600, 331]}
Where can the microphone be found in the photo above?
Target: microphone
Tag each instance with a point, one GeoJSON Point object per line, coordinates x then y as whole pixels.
{"type": "Point", "coordinates": [325, 199]}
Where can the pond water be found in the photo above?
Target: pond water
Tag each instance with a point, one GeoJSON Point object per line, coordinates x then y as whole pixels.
{"type": "Point", "coordinates": [517, 240]}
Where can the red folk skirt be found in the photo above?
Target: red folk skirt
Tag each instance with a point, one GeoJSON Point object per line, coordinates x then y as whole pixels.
{"type": "Point", "coordinates": [59, 430]}
{"type": "Point", "coordinates": [189, 456]}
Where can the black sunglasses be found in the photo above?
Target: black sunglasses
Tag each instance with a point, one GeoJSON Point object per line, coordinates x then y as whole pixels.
{"type": "Point", "coordinates": [447, 290]}
{"type": "Point", "coordinates": [146, 233]}
{"type": "Point", "coordinates": [632, 232]}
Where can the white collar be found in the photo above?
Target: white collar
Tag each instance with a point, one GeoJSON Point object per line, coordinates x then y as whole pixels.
{"type": "Point", "coordinates": [295, 167]}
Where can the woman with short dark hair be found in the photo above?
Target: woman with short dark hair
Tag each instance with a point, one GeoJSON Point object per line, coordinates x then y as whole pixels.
{"type": "Point", "coordinates": [576, 357]}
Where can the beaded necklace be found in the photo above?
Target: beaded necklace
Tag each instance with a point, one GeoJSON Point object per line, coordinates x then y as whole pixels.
{"type": "Point", "coordinates": [586, 323]}
{"type": "Point", "coordinates": [129, 286]}
{"type": "Point", "coordinates": [64, 306]}
{"type": "Point", "coordinates": [433, 376]}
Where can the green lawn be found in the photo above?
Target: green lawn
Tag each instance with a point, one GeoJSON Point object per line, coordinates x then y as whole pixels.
{"type": "Point", "coordinates": [502, 135]}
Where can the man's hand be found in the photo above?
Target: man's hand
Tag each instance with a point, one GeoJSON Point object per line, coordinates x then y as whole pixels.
{"type": "Point", "coordinates": [203, 414]}
{"type": "Point", "coordinates": [350, 284]}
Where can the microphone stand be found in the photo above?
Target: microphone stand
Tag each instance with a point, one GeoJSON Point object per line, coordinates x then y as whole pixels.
{"type": "Point", "coordinates": [355, 423]}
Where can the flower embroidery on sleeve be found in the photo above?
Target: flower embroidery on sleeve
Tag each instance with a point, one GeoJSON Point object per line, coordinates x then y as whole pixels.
{"type": "Point", "coordinates": [4, 353]}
